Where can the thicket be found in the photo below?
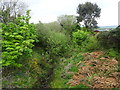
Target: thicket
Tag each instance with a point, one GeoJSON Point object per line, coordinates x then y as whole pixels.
{"type": "Point", "coordinates": [110, 39]}
{"type": "Point", "coordinates": [85, 39]}
{"type": "Point", "coordinates": [53, 41]}
{"type": "Point", "coordinates": [79, 36]}
{"type": "Point", "coordinates": [54, 47]}
{"type": "Point", "coordinates": [17, 40]}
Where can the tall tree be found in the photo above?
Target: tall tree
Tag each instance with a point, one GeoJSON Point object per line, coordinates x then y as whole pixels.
{"type": "Point", "coordinates": [10, 9]}
{"type": "Point", "coordinates": [88, 13]}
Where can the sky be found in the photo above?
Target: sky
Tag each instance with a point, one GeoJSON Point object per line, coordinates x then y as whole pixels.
{"type": "Point", "coordinates": [48, 10]}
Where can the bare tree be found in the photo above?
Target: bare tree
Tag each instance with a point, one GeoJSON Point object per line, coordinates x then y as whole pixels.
{"type": "Point", "coordinates": [10, 9]}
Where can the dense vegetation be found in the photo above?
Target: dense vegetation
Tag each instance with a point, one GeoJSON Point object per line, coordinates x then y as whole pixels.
{"type": "Point", "coordinates": [17, 40]}
{"type": "Point", "coordinates": [57, 54]}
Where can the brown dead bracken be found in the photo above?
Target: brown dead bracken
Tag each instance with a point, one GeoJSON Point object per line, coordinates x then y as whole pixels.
{"type": "Point", "coordinates": [97, 72]}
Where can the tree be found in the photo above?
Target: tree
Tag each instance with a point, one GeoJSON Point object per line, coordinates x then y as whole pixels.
{"type": "Point", "coordinates": [88, 12]}
{"type": "Point", "coordinates": [68, 22]}
{"type": "Point", "coordinates": [10, 9]}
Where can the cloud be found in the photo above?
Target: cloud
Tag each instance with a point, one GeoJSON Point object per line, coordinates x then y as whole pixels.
{"type": "Point", "coordinates": [49, 10]}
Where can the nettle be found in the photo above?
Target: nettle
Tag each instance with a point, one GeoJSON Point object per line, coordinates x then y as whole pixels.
{"type": "Point", "coordinates": [17, 40]}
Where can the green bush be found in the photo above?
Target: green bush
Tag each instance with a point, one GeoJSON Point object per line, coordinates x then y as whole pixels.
{"type": "Point", "coordinates": [113, 53]}
{"type": "Point", "coordinates": [114, 37]}
{"type": "Point", "coordinates": [91, 43]}
{"type": "Point", "coordinates": [52, 41]}
{"type": "Point", "coordinates": [17, 40]}
{"type": "Point", "coordinates": [110, 39]}
{"type": "Point", "coordinates": [79, 36]}
{"type": "Point", "coordinates": [0, 42]}
{"type": "Point", "coordinates": [57, 43]}
{"type": "Point", "coordinates": [103, 37]}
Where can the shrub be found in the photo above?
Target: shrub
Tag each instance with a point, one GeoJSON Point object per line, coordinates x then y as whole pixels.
{"type": "Point", "coordinates": [103, 39]}
{"type": "Point", "coordinates": [79, 36]}
{"type": "Point", "coordinates": [114, 37]}
{"type": "Point", "coordinates": [113, 53]}
{"type": "Point", "coordinates": [17, 40]}
{"type": "Point", "coordinates": [0, 42]}
{"type": "Point", "coordinates": [110, 39]}
{"type": "Point", "coordinates": [56, 43]}
{"type": "Point", "coordinates": [52, 41]}
{"type": "Point", "coordinates": [91, 43]}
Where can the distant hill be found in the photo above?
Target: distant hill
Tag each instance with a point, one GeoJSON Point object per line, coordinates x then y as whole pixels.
{"type": "Point", "coordinates": [108, 26]}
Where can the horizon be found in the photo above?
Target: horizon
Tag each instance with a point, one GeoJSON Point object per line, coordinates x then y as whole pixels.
{"type": "Point", "coordinates": [108, 25]}
{"type": "Point", "coordinates": [47, 11]}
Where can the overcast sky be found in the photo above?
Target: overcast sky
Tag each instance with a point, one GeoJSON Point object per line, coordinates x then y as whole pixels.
{"type": "Point", "coordinates": [48, 10]}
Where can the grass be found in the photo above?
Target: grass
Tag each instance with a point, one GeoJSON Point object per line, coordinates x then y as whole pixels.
{"type": "Point", "coordinates": [64, 72]}
{"type": "Point", "coordinates": [58, 82]}
{"type": "Point", "coordinates": [80, 86]}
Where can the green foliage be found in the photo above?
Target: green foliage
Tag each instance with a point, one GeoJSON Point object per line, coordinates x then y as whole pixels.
{"type": "Point", "coordinates": [32, 68]}
{"type": "Point", "coordinates": [57, 81]}
{"type": "Point", "coordinates": [17, 40]}
{"type": "Point", "coordinates": [87, 13]}
{"type": "Point", "coordinates": [91, 43]}
{"type": "Point", "coordinates": [79, 36]}
{"type": "Point", "coordinates": [114, 37]}
{"type": "Point", "coordinates": [52, 41]}
{"type": "Point", "coordinates": [19, 80]}
{"type": "Point", "coordinates": [103, 39]}
{"type": "Point", "coordinates": [112, 53]}
{"type": "Point", "coordinates": [110, 39]}
{"type": "Point", "coordinates": [85, 39]}
{"type": "Point", "coordinates": [64, 72]}
{"type": "Point", "coordinates": [57, 43]}
{"type": "Point", "coordinates": [80, 86]}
